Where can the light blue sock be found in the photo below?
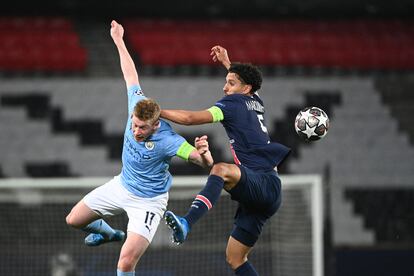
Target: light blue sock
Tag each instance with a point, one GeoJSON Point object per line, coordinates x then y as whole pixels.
{"type": "Point", "coordinates": [120, 273]}
{"type": "Point", "coordinates": [99, 226]}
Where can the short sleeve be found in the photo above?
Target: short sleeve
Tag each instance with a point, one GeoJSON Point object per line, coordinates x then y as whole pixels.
{"type": "Point", "coordinates": [135, 95]}
{"type": "Point", "coordinates": [175, 145]}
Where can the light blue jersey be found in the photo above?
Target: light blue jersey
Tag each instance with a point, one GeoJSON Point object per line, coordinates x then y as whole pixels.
{"type": "Point", "coordinates": [145, 164]}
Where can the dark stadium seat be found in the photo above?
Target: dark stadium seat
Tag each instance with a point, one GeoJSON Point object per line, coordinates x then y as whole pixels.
{"type": "Point", "coordinates": [51, 169]}
{"type": "Point", "coordinates": [398, 94]}
{"type": "Point", "coordinates": [387, 211]}
{"type": "Point", "coordinates": [37, 23]}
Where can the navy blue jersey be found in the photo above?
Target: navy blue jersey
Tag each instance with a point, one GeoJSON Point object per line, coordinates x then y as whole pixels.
{"type": "Point", "coordinates": [244, 122]}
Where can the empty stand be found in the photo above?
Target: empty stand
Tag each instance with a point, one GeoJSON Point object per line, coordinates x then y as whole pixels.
{"type": "Point", "coordinates": [38, 106]}
{"type": "Point", "coordinates": [345, 44]}
{"type": "Point", "coordinates": [388, 211]}
{"type": "Point", "coordinates": [48, 44]}
{"type": "Point", "coordinates": [30, 148]}
{"type": "Point", "coordinates": [51, 44]}
{"type": "Point", "coordinates": [48, 169]}
{"type": "Point", "coordinates": [397, 93]}
{"type": "Point", "coordinates": [364, 146]}
{"type": "Point", "coordinates": [81, 113]}
{"type": "Point", "coordinates": [16, 24]}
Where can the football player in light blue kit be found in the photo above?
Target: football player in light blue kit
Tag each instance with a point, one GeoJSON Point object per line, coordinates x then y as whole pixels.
{"type": "Point", "coordinates": [141, 190]}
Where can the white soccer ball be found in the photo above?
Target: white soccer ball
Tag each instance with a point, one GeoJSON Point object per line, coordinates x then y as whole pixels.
{"type": "Point", "coordinates": [311, 124]}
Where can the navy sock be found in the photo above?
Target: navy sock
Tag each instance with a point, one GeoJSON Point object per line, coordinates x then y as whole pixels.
{"type": "Point", "coordinates": [246, 269]}
{"type": "Point", "coordinates": [99, 226]}
{"type": "Point", "coordinates": [205, 200]}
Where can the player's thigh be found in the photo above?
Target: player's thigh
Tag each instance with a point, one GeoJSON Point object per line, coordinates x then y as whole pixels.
{"type": "Point", "coordinates": [132, 250]}
{"type": "Point", "coordinates": [107, 200]}
{"type": "Point", "coordinates": [248, 225]}
{"type": "Point", "coordinates": [258, 191]}
{"type": "Point", "coordinates": [145, 215]}
{"type": "Point", "coordinates": [81, 215]}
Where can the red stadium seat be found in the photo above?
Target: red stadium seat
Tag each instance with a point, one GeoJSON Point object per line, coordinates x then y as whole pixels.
{"type": "Point", "coordinates": [349, 44]}
{"type": "Point", "coordinates": [40, 43]}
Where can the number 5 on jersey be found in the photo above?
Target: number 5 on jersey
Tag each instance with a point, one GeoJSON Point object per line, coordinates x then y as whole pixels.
{"type": "Point", "coordinates": [261, 120]}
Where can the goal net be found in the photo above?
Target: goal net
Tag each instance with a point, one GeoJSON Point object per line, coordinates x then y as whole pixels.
{"type": "Point", "coordinates": [35, 239]}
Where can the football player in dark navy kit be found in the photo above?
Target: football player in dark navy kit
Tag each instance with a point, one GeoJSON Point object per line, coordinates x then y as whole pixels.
{"type": "Point", "coordinates": [253, 180]}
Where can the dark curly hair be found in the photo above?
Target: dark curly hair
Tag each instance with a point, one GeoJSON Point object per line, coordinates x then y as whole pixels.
{"type": "Point", "coordinates": [248, 74]}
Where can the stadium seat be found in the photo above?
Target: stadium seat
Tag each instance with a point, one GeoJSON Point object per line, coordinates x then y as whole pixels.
{"type": "Point", "coordinates": [47, 44]}
{"type": "Point", "coordinates": [352, 44]}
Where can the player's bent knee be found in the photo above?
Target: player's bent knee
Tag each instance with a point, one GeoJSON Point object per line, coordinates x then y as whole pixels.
{"type": "Point", "coordinates": [220, 169]}
{"type": "Point", "coordinates": [235, 261]}
{"type": "Point", "coordinates": [127, 263]}
{"type": "Point", "coordinates": [71, 221]}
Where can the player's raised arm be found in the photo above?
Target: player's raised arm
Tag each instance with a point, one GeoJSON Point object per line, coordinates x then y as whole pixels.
{"type": "Point", "coordinates": [186, 117]}
{"type": "Point", "coordinates": [201, 155]}
{"type": "Point", "coordinates": [127, 64]}
{"type": "Point", "coordinates": [220, 54]}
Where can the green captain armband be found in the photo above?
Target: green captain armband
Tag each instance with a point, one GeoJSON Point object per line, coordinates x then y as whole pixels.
{"type": "Point", "coordinates": [184, 150]}
{"type": "Point", "coordinates": [216, 113]}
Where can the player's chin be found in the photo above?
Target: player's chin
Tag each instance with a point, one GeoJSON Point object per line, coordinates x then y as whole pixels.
{"type": "Point", "coordinates": [139, 139]}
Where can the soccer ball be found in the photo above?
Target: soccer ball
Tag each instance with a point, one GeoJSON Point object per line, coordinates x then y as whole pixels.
{"type": "Point", "coordinates": [311, 124]}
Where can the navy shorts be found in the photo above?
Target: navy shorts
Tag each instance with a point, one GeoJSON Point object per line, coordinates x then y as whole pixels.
{"type": "Point", "coordinates": [259, 196]}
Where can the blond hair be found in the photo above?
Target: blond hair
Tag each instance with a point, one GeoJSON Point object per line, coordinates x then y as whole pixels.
{"type": "Point", "coordinates": [147, 110]}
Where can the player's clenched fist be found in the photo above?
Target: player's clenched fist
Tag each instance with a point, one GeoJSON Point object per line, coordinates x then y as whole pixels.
{"type": "Point", "coordinates": [201, 144]}
{"type": "Point", "coordinates": [117, 31]}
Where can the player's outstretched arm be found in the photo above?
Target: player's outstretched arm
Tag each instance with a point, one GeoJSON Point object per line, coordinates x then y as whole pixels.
{"type": "Point", "coordinates": [220, 54]}
{"type": "Point", "coordinates": [127, 64]}
{"type": "Point", "coordinates": [186, 117]}
{"type": "Point", "coordinates": [201, 155]}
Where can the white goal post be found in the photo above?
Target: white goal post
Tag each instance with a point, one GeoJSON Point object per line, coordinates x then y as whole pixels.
{"type": "Point", "coordinates": [291, 243]}
{"type": "Point", "coordinates": [315, 181]}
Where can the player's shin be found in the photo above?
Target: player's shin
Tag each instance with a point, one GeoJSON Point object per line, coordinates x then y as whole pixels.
{"type": "Point", "coordinates": [205, 200]}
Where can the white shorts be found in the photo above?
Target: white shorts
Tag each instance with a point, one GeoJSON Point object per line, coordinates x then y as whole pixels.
{"type": "Point", "coordinates": [144, 214]}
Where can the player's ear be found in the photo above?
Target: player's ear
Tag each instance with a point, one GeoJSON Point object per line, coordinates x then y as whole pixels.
{"type": "Point", "coordinates": [247, 89]}
{"type": "Point", "coordinates": [157, 123]}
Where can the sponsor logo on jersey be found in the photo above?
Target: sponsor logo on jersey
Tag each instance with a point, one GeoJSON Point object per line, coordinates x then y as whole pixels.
{"type": "Point", "coordinates": [149, 145]}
